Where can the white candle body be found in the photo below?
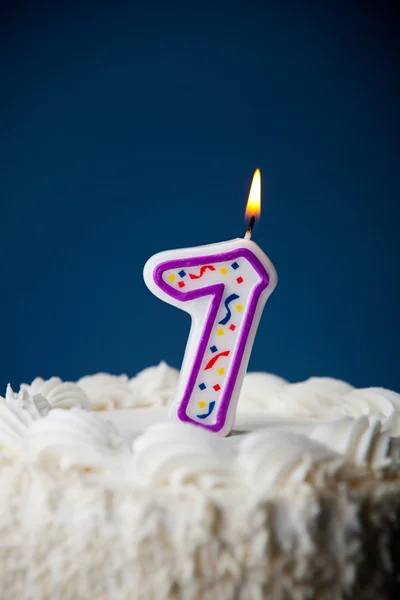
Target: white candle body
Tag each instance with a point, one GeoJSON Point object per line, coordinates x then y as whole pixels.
{"type": "Point", "coordinates": [224, 288]}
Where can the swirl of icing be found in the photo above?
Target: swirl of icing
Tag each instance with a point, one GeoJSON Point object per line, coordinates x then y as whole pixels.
{"type": "Point", "coordinates": [107, 392]}
{"type": "Point", "coordinates": [361, 443]}
{"type": "Point", "coordinates": [257, 388]}
{"type": "Point", "coordinates": [279, 458]}
{"type": "Point", "coordinates": [60, 394]}
{"type": "Point", "coordinates": [154, 386]}
{"type": "Point", "coordinates": [319, 398]}
{"type": "Point", "coordinates": [74, 439]}
{"type": "Point", "coordinates": [314, 398]}
{"type": "Point", "coordinates": [379, 402]}
{"type": "Point", "coordinates": [176, 453]}
{"type": "Point", "coordinates": [17, 413]}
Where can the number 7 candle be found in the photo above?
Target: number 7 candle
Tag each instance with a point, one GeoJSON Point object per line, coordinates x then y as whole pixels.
{"type": "Point", "coordinates": [224, 287]}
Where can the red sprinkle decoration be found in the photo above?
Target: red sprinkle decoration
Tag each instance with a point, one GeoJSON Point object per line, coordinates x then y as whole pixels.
{"type": "Point", "coordinates": [214, 359]}
{"type": "Point", "coordinates": [202, 271]}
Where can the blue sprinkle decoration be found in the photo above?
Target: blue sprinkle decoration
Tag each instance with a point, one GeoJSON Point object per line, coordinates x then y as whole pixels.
{"type": "Point", "coordinates": [182, 273]}
{"type": "Point", "coordinates": [234, 265]}
{"type": "Point", "coordinates": [228, 315]}
{"type": "Point", "coordinates": [208, 413]}
{"type": "Point", "coordinates": [202, 386]}
{"type": "Point", "coordinates": [213, 349]}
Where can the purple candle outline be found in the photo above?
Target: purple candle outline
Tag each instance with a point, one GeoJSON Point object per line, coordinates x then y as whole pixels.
{"type": "Point", "coordinates": [216, 291]}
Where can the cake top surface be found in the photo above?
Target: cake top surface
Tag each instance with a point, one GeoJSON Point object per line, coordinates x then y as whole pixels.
{"type": "Point", "coordinates": [104, 423]}
{"type": "Point", "coordinates": [316, 399]}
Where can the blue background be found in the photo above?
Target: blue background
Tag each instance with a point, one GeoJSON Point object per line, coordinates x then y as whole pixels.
{"type": "Point", "coordinates": [128, 129]}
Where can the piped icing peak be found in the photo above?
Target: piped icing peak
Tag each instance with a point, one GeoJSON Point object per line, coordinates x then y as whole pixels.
{"type": "Point", "coordinates": [319, 399]}
{"type": "Point", "coordinates": [153, 387]}
{"type": "Point", "coordinates": [59, 394]}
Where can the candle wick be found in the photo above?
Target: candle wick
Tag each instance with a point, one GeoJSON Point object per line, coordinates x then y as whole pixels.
{"type": "Point", "coordinates": [247, 235]}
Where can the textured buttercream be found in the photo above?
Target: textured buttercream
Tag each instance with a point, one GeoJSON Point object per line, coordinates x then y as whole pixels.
{"type": "Point", "coordinates": [60, 394]}
{"type": "Point", "coordinates": [316, 399]}
{"type": "Point", "coordinates": [107, 392]}
{"type": "Point", "coordinates": [319, 398]}
{"type": "Point", "coordinates": [181, 514]}
{"type": "Point", "coordinates": [73, 439]}
{"type": "Point", "coordinates": [154, 387]}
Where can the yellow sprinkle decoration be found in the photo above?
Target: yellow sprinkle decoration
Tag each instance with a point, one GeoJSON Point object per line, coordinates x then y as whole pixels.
{"type": "Point", "coordinates": [171, 277]}
{"type": "Point", "coordinates": [201, 404]}
{"type": "Point", "coordinates": [220, 331]}
{"type": "Point", "coordinates": [239, 307]}
{"type": "Point", "coordinates": [223, 271]}
{"type": "Point", "coordinates": [221, 371]}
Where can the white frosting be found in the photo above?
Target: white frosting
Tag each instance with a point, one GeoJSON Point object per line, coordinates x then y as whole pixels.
{"type": "Point", "coordinates": [107, 392]}
{"type": "Point", "coordinates": [73, 439]}
{"type": "Point", "coordinates": [362, 443]}
{"type": "Point", "coordinates": [60, 394]}
{"type": "Point", "coordinates": [81, 438]}
{"type": "Point", "coordinates": [280, 458]}
{"type": "Point", "coordinates": [176, 453]}
{"type": "Point", "coordinates": [17, 413]}
{"type": "Point", "coordinates": [319, 398]}
{"type": "Point", "coordinates": [270, 513]}
{"type": "Point", "coordinates": [355, 423]}
{"type": "Point", "coordinates": [314, 400]}
{"type": "Point", "coordinates": [154, 386]}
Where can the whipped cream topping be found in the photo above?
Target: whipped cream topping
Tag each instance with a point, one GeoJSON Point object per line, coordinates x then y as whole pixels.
{"type": "Point", "coordinates": [319, 399]}
{"type": "Point", "coordinates": [175, 452]}
{"type": "Point", "coordinates": [61, 440]}
{"type": "Point", "coordinates": [17, 413]}
{"type": "Point", "coordinates": [316, 399]}
{"type": "Point", "coordinates": [107, 392]}
{"type": "Point", "coordinates": [60, 394]}
{"type": "Point", "coordinates": [73, 439]}
{"type": "Point", "coordinates": [361, 442]}
{"type": "Point", "coordinates": [354, 424]}
{"type": "Point", "coordinates": [153, 387]}
{"type": "Point", "coordinates": [179, 508]}
{"type": "Point", "coordinates": [280, 458]}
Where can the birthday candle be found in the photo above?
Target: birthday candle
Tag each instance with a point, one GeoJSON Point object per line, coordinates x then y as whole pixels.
{"type": "Point", "coordinates": [224, 288]}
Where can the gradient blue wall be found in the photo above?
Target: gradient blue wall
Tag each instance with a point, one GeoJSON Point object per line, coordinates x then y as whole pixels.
{"type": "Point", "coordinates": [126, 130]}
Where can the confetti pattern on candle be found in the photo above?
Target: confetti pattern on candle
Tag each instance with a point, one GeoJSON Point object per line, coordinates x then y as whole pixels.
{"type": "Point", "coordinates": [202, 271]}
{"type": "Point", "coordinates": [224, 288]}
{"type": "Point", "coordinates": [208, 413]}
{"type": "Point", "coordinates": [235, 281]}
{"type": "Point", "coordinates": [214, 359]}
{"type": "Point", "coordinates": [228, 315]}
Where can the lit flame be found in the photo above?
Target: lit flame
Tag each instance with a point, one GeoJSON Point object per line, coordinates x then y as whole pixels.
{"type": "Point", "coordinates": [253, 206]}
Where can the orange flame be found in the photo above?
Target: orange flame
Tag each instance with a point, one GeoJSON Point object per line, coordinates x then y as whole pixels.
{"type": "Point", "coordinates": [253, 206]}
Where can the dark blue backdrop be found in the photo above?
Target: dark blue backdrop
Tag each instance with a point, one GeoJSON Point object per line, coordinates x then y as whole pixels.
{"type": "Point", "coordinates": [131, 129]}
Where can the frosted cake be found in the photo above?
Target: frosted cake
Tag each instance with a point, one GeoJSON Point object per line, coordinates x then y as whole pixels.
{"type": "Point", "coordinates": [102, 497]}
